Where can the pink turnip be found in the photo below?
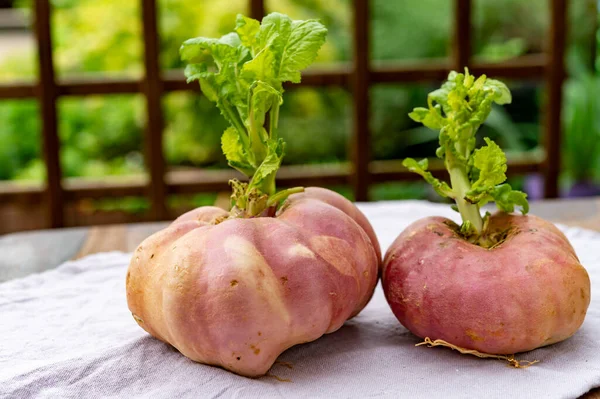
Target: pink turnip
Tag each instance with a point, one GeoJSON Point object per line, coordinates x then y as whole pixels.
{"type": "Point", "coordinates": [239, 292]}
{"type": "Point", "coordinates": [236, 288]}
{"type": "Point", "coordinates": [497, 284]}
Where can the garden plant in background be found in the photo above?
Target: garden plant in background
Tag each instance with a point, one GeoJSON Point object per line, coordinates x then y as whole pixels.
{"type": "Point", "coordinates": [99, 139]}
{"type": "Point", "coordinates": [103, 135]}
{"type": "Point", "coordinates": [236, 289]}
{"type": "Point", "coordinates": [495, 285]}
{"type": "Point", "coordinates": [582, 134]}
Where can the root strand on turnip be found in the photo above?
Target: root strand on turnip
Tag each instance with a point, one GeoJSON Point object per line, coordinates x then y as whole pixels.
{"type": "Point", "coordinates": [518, 364]}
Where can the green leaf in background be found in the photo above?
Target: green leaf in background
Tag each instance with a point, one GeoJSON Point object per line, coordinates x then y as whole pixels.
{"type": "Point", "coordinates": [511, 48]}
{"type": "Point", "coordinates": [582, 127]}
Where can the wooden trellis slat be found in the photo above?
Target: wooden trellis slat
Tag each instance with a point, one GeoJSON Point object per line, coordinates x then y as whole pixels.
{"type": "Point", "coordinates": [152, 85]}
{"type": "Point", "coordinates": [527, 67]}
{"type": "Point", "coordinates": [18, 90]}
{"type": "Point", "coordinates": [257, 9]}
{"type": "Point", "coordinates": [98, 85]}
{"type": "Point", "coordinates": [360, 142]}
{"type": "Point", "coordinates": [47, 95]}
{"type": "Point", "coordinates": [194, 181]}
{"type": "Point", "coordinates": [555, 75]}
{"type": "Point", "coordinates": [357, 76]}
{"type": "Point", "coordinates": [462, 34]}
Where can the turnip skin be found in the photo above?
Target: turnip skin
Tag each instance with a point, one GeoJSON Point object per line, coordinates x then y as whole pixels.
{"type": "Point", "coordinates": [238, 293]}
{"type": "Point", "coordinates": [334, 199]}
{"type": "Point", "coordinates": [529, 291]}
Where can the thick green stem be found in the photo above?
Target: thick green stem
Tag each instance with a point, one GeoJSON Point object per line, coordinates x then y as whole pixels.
{"type": "Point", "coordinates": [273, 121]}
{"type": "Point", "coordinates": [257, 145]}
{"type": "Point", "coordinates": [236, 121]}
{"type": "Point", "coordinates": [282, 195]}
{"type": "Point", "coordinates": [461, 185]}
{"type": "Point", "coordinates": [268, 185]}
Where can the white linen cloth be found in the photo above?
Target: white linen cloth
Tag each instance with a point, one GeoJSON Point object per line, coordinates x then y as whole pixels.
{"type": "Point", "coordinates": [67, 333]}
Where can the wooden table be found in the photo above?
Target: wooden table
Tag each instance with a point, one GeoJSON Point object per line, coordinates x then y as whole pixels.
{"type": "Point", "coordinates": [31, 252]}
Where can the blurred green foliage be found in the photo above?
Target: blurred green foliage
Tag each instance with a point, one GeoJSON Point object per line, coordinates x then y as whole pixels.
{"type": "Point", "coordinates": [104, 135]}
{"type": "Point", "coordinates": [581, 123]}
{"type": "Point", "coordinates": [582, 127]}
{"type": "Point", "coordinates": [19, 137]}
{"type": "Point", "coordinates": [581, 107]}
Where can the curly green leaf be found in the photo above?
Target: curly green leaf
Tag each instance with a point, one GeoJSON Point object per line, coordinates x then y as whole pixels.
{"type": "Point", "coordinates": [243, 73]}
{"type": "Point", "coordinates": [235, 153]}
{"type": "Point", "coordinates": [490, 162]}
{"type": "Point", "coordinates": [506, 199]}
{"type": "Point", "coordinates": [247, 29]}
{"type": "Point", "coordinates": [420, 168]}
{"type": "Point", "coordinates": [457, 109]}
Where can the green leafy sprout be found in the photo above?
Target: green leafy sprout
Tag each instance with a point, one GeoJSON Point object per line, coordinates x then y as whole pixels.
{"type": "Point", "coordinates": [243, 73]}
{"type": "Point", "coordinates": [477, 176]}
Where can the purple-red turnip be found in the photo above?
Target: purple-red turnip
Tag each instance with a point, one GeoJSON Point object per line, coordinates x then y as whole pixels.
{"type": "Point", "coordinates": [497, 284]}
